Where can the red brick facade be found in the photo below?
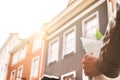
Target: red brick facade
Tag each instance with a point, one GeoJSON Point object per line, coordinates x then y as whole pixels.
{"type": "Point", "coordinates": [26, 63]}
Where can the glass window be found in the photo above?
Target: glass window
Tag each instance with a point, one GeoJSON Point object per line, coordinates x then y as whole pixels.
{"type": "Point", "coordinates": [69, 41]}
{"type": "Point", "coordinates": [15, 58]}
{"type": "Point", "coordinates": [19, 74]}
{"type": "Point", "coordinates": [19, 55]}
{"type": "Point", "coordinates": [53, 51]}
{"type": "Point", "coordinates": [37, 43]}
{"type": "Point", "coordinates": [34, 68]}
{"type": "Point", "coordinates": [22, 53]}
{"type": "Point", "coordinates": [90, 25]}
{"type": "Point", "coordinates": [69, 76]}
{"type": "Point", "coordinates": [13, 75]}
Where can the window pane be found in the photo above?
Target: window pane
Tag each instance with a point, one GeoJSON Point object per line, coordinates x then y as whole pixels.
{"type": "Point", "coordinates": [15, 57]}
{"type": "Point", "coordinates": [90, 27]}
{"type": "Point", "coordinates": [19, 76]}
{"type": "Point", "coordinates": [34, 69]}
{"type": "Point", "coordinates": [69, 42]}
{"type": "Point", "coordinates": [37, 43]}
{"type": "Point", "coordinates": [12, 76]}
{"type": "Point", "coordinates": [22, 53]}
{"type": "Point", "coordinates": [53, 51]}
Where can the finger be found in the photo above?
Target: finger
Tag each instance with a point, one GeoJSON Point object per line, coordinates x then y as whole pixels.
{"type": "Point", "coordinates": [84, 67]}
{"type": "Point", "coordinates": [86, 59]}
{"type": "Point", "coordinates": [86, 56]}
{"type": "Point", "coordinates": [86, 71]}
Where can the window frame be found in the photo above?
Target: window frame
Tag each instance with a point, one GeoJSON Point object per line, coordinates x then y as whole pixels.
{"type": "Point", "coordinates": [64, 35]}
{"type": "Point", "coordinates": [35, 43]}
{"type": "Point", "coordinates": [49, 50]}
{"type": "Point", "coordinates": [31, 72]}
{"type": "Point", "coordinates": [68, 74]}
{"type": "Point", "coordinates": [96, 13]}
{"type": "Point", "coordinates": [13, 76]}
{"type": "Point", "coordinates": [22, 51]}
{"type": "Point", "coordinates": [21, 72]}
{"type": "Point", "coordinates": [17, 57]}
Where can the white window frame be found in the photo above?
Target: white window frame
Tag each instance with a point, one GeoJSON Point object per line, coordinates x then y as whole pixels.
{"type": "Point", "coordinates": [67, 74]}
{"type": "Point", "coordinates": [15, 58]}
{"type": "Point", "coordinates": [19, 55]}
{"type": "Point", "coordinates": [31, 74]}
{"type": "Point", "coordinates": [14, 71]}
{"type": "Point", "coordinates": [64, 35]}
{"type": "Point", "coordinates": [22, 53]}
{"type": "Point", "coordinates": [19, 77]}
{"type": "Point", "coordinates": [37, 43]}
{"type": "Point", "coordinates": [86, 19]}
{"type": "Point", "coordinates": [49, 51]}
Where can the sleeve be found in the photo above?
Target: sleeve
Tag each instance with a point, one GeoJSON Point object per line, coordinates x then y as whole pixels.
{"type": "Point", "coordinates": [109, 62]}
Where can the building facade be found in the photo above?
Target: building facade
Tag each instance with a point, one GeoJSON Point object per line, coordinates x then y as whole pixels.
{"type": "Point", "coordinates": [25, 61]}
{"type": "Point", "coordinates": [12, 40]}
{"type": "Point", "coordinates": [64, 50]}
{"type": "Point", "coordinates": [57, 53]}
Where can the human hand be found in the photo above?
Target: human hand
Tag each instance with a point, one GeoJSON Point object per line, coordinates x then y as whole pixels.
{"type": "Point", "coordinates": [90, 65]}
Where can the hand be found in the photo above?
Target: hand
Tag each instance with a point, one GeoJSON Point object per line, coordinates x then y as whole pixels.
{"type": "Point", "coordinates": [90, 65]}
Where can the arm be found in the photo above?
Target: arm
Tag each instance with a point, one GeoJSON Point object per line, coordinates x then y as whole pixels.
{"type": "Point", "coordinates": [109, 62]}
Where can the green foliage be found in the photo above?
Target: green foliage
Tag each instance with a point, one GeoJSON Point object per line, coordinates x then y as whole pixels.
{"type": "Point", "coordinates": [98, 34]}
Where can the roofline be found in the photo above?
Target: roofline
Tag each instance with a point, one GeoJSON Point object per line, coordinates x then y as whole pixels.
{"type": "Point", "coordinates": [68, 14]}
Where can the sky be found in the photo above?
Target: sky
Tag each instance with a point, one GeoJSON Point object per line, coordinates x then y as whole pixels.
{"type": "Point", "coordinates": [26, 16]}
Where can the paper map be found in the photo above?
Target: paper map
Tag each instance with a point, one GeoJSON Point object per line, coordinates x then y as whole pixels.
{"type": "Point", "coordinates": [94, 46]}
{"type": "Point", "coordinates": [91, 45]}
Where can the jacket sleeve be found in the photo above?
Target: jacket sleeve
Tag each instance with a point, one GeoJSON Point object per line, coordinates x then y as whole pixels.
{"type": "Point", "coordinates": [109, 61]}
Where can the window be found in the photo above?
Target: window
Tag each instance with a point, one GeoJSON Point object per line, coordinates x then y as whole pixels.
{"type": "Point", "coordinates": [19, 55]}
{"type": "Point", "coordinates": [37, 43]}
{"type": "Point", "coordinates": [15, 58]}
{"type": "Point", "coordinates": [5, 71]}
{"type": "Point", "coordinates": [69, 41]}
{"type": "Point", "coordinates": [53, 50]}
{"type": "Point", "coordinates": [19, 74]}
{"type": "Point", "coordinates": [13, 75]}
{"type": "Point", "coordinates": [69, 76]}
{"type": "Point", "coordinates": [90, 24]}
{"type": "Point", "coordinates": [22, 53]}
{"type": "Point", "coordinates": [13, 43]}
{"type": "Point", "coordinates": [34, 68]}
